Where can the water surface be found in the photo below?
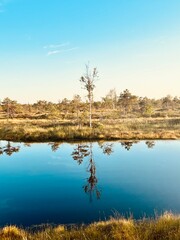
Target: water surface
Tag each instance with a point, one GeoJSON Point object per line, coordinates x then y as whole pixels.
{"type": "Point", "coordinates": [84, 182]}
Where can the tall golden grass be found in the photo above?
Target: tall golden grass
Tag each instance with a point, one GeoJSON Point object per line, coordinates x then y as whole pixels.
{"type": "Point", "coordinates": [49, 130]}
{"type": "Point", "coordinates": [165, 227]}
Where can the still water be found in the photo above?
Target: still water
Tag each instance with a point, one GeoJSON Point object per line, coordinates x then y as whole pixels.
{"type": "Point", "coordinates": [84, 182]}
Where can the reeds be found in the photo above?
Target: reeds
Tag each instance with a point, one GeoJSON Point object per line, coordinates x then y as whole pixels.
{"type": "Point", "coordinates": [165, 227]}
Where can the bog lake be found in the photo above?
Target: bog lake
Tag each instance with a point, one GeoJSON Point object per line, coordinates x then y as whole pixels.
{"type": "Point", "coordinates": [74, 183]}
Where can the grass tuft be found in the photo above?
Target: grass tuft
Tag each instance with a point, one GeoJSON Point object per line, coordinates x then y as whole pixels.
{"type": "Point", "coordinates": [12, 232]}
{"type": "Point", "coordinates": [164, 227]}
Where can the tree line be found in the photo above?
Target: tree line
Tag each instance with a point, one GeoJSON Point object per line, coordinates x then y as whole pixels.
{"type": "Point", "coordinates": [112, 105]}
{"type": "Point", "coordinates": [123, 105]}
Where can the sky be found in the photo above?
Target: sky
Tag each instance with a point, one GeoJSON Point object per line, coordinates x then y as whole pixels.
{"type": "Point", "coordinates": [45, 44]}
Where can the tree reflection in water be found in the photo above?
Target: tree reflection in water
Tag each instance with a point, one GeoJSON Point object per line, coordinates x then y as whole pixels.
{"type": "Point", "coordinates": [106, 147]}
{"type": "Point", "coordinates": [79, 153]}
{"type": "Point", "coordinates": [8, 149]}
{"type": "Point", "coordinates": [150, 143]}
{"type": "Point", "coordinates": [128, 144]}
{"type": "Point", "coordinates": [91, 187]}
{"type": "Point", "coordinates": [54, 146]}
{"type": "Point", "coordinates": [27, 144]}
{"type": "Point", "coordinates": [1, 150]}
{"type": "Point", "coordinates": [82, 151]}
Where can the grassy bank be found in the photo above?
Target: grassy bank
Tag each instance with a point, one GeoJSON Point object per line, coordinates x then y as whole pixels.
{"type": "Point", "coordinates": [165, 227]}
{"type": "Point", "coordinates": [49, 130]}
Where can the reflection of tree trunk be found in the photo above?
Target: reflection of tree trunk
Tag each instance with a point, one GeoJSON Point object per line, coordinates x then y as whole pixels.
{"type": "Point", "coordinates": [1, 151]}
{"type": "Point", "coordinates": [91, 186]}
{"type": "Point", "coordinates": [78, 154]}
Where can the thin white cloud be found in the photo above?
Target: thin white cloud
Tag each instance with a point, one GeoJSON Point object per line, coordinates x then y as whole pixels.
{"type": "Point", "coordinates": [61, 51]}
{"type": "Point", "coordinates": [53, 49]}
{"type": "Point", "coordinates": [53, 52]}
{"type": "Point", "coordinates": [57, 45]}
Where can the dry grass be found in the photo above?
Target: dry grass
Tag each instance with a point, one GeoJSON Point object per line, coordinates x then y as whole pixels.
{"type": "Point", "coordinates": [12, 232]}
{"type": "Point", "coordinates": [165, 227]}
{"type": "Point", "coordinates": [49, 130]}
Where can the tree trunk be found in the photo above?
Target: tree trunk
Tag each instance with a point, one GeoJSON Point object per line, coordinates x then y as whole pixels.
{"type": "Point", "coordinates": [90, 113]}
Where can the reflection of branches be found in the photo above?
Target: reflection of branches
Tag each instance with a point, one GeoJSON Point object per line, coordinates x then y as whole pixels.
{"type": "Point", "coordinates": [9, 149]}
{"type": "Point", "coordinates": [106, 147]}
{"type": "Point", "coordinates": [54, 146]}
{"type": "Point", "coordinates": [128, 144]}
{"type": "Point", "coordinates": [80, 152]}
{"type": "Point", "coordinates": [91, 186]}
{"type": "Point", "coordinates": [27, 144]}
{"type": "Point", "coordinates": [150, 144]}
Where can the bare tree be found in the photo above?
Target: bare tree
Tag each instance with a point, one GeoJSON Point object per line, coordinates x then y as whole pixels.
{"type": "Point", "coordinates": [88, 81]}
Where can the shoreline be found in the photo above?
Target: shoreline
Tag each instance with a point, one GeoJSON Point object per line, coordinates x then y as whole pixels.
{"type": "Point", "coordinates": [70, 140]}
{"type": "Point", "coordinates": [164, 227]}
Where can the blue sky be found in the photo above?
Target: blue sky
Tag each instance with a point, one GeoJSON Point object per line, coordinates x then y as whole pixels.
{"type": "Point", "coordinates": [45, 44]}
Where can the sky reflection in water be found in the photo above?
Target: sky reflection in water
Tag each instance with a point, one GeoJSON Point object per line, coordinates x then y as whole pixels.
{"type": "Point", "coordinates": [83, 182]}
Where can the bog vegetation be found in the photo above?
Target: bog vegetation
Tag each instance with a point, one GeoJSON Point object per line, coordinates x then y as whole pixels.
{"type": "Point", "coordinates": [123, 116]}
{"type": "Point", "coordinates": [165, 227]}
